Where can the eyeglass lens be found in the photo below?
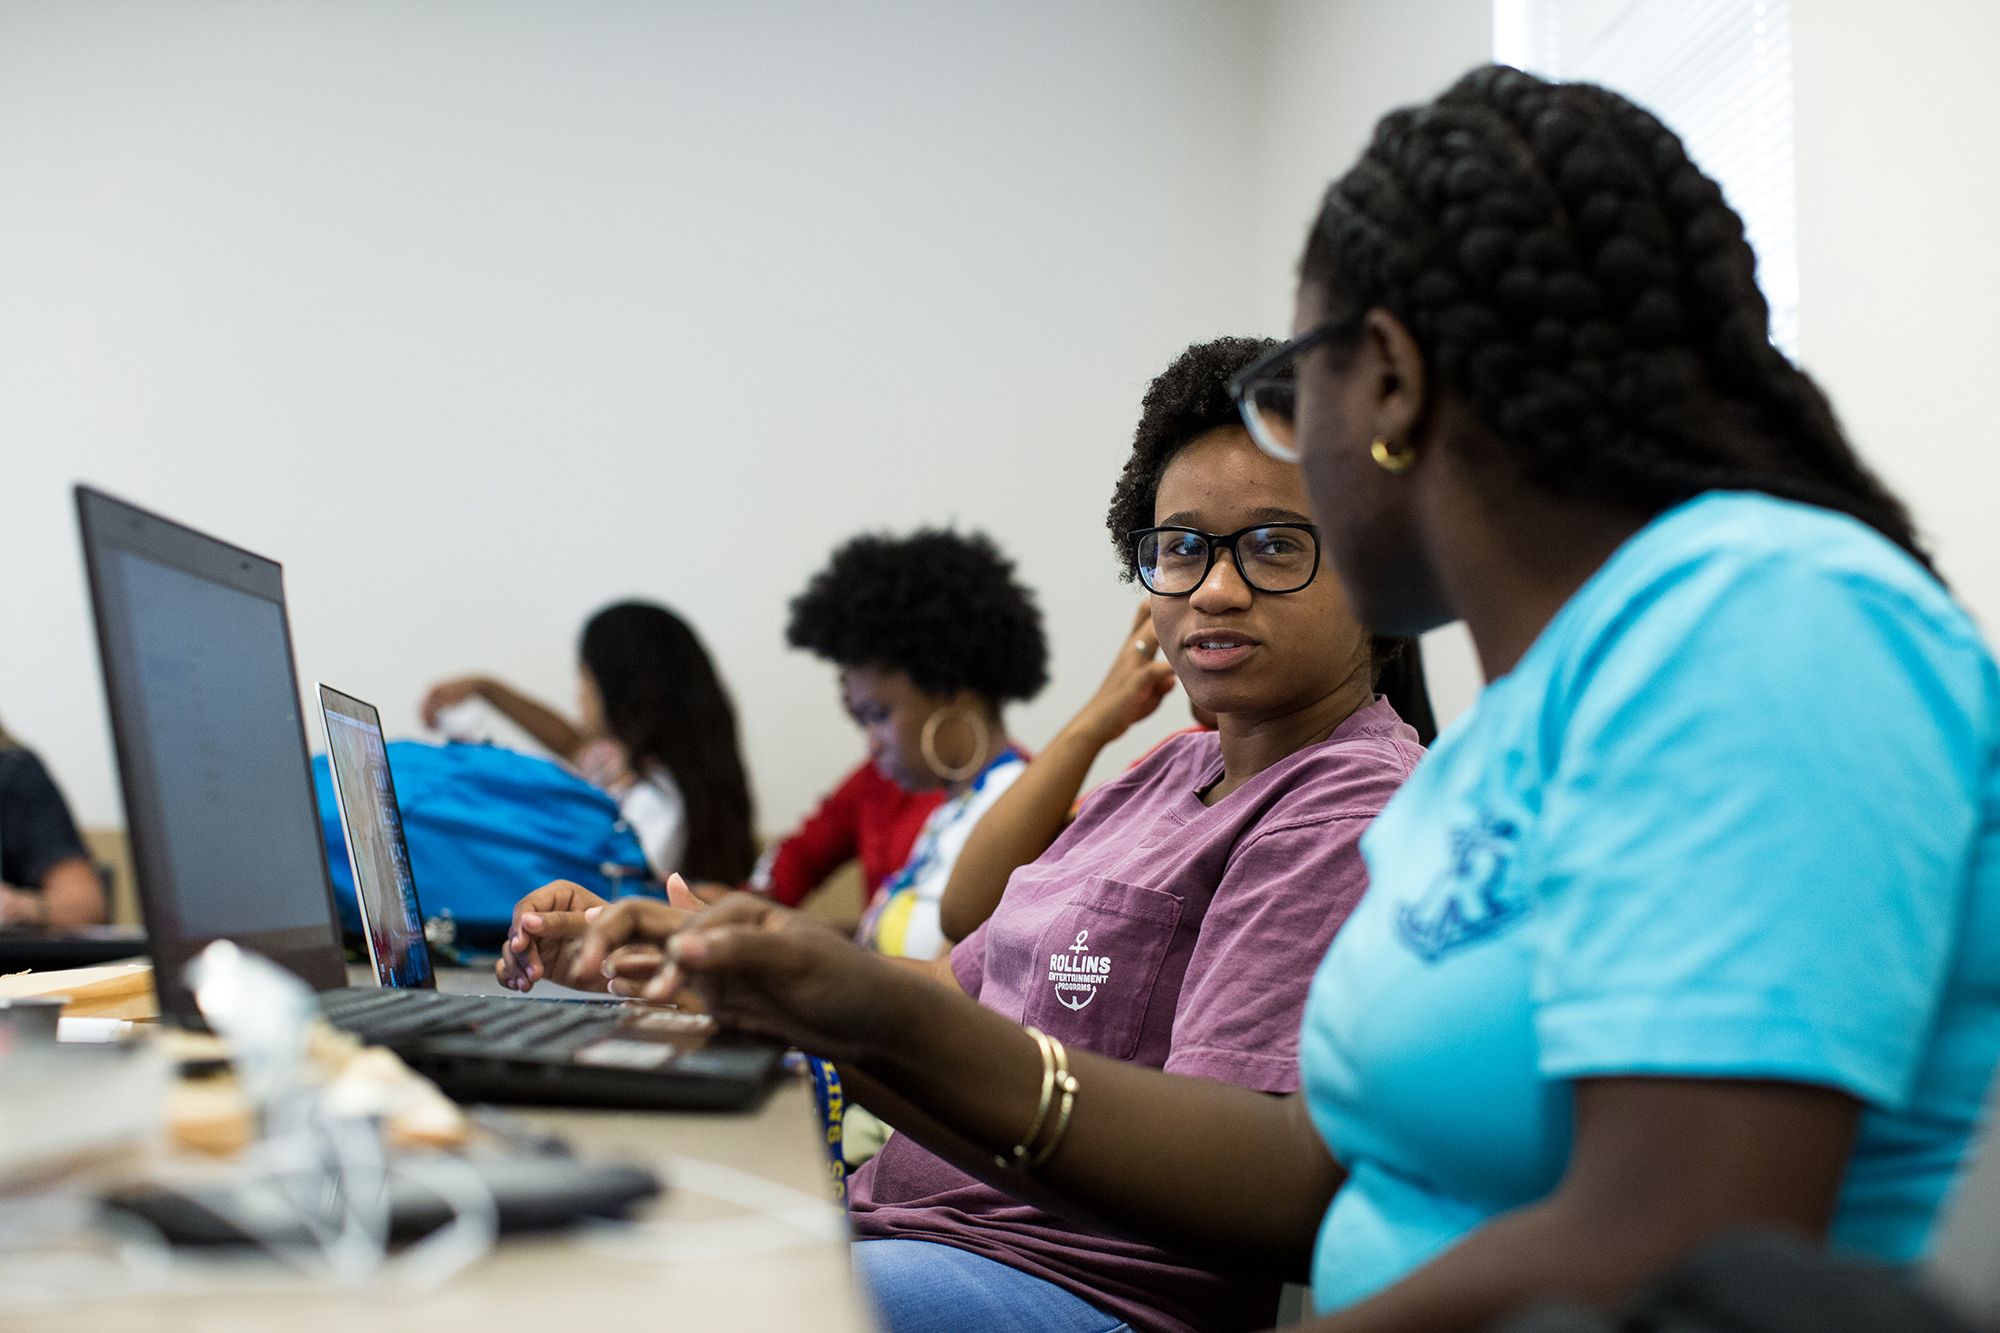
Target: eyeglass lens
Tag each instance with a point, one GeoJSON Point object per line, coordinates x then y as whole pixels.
{"type": "Point", "coordinates": [1267, 407]}
{"type": "Point", "coordinates": [1279, 558]}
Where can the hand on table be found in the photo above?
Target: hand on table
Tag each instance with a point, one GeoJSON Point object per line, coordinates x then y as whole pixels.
{"type": "Point", "coordinates": [541, 943]}
{"type": "Point", "coordinates": [754, 965]}
{"type": "Point", "coordinates": [549, 926]}
{"type": "Point", "coordinates": [708, 891]}
{"type": "Point", "coordinates": [628, 968]}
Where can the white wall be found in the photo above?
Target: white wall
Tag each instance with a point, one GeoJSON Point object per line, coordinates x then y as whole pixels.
{"type": "Point", "coordinates": [1331, 70]}
{"type": "Point", "coordinates": [478, 315]}
{"type": "Point", "coordinates": [1899, 264]}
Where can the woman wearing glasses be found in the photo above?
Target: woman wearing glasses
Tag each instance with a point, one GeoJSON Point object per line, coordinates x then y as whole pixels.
{"type": "Point", "coordinates": [1172, 926]}
{"type": "Point", "coordinates": [1693, 923]}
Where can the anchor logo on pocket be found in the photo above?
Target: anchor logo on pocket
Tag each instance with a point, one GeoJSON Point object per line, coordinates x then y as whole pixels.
{"type": "Point", "coordinates": [1076, 973]}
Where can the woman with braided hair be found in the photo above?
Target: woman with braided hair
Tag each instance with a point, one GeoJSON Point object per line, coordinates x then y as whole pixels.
{"type": "Point", "coordinates": [1694, 923]}
{"type": "Point", "coordinates": [1691, 924]}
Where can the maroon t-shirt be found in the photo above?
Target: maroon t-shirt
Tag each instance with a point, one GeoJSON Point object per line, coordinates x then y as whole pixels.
{"type": "Point", "coordinates": [1167, 933]}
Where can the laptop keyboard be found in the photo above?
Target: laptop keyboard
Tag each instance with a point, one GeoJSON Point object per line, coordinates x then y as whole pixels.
{"type": "Point", "coordinates": [558, 1051]}
{"type": "Point", "coordinates": [500, 1026]}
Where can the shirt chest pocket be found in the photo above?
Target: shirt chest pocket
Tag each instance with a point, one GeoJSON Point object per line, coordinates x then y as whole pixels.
{"type": "Point", "coordinates": [1096, 964]}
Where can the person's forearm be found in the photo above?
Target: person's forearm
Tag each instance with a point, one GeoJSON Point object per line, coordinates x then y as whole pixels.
{"type": "Point", "coordinates": [1183, 1162]}
{"type": "Point", "coordinates": [915, 1123]}
{"type": "Point", "coordinates": [1547, 1253]}
{"type": "Point", "coordinates": [72, 894]}
{"type": "Point", "coordinates": [1523, 1259]}
{"type": "Point", "coordinates": [546, 725]}
{"type": "Point", "coordinates": [1022, 823]}
{"type": "Point", "coordinates": [907, 1118]}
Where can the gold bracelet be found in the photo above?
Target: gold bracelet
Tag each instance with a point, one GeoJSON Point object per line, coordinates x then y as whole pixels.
{"type": "Point", "coordinates": [1067, 1083]}
{"type": "Point", "coordinates": [1049, 1049]}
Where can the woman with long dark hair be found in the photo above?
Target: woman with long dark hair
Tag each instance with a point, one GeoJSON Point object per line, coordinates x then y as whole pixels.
{"type": "Point", "coordinates": [657, 730]}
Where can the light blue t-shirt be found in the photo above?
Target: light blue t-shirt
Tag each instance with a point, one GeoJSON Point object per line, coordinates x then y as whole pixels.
{"type": "Point", "coordinates": [1736, 813]}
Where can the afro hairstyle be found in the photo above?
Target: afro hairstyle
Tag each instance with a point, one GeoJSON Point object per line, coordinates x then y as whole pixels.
{"type": "Point", "coordinates": [941, 606]}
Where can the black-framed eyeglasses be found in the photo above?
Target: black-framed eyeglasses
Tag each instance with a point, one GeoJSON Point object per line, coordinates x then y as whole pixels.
{"type": "Point", "coordinates": [1270, 557]}
{"type": "Point", "coordinates": [1266, 396]}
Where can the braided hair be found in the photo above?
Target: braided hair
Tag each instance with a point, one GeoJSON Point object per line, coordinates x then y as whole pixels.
{"type": "Point", "coordinates": [1570, 273]}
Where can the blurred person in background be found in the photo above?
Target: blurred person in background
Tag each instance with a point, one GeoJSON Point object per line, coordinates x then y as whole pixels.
{"type": "Point", "coordinates": [46, 878]}
{"type": "Point", "coordinates": [656, 729]}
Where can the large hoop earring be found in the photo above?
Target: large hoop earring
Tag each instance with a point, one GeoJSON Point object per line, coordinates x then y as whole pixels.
{"type": "Point", "coordinates": [927, 742]}
{"type": "Point", "coordinates": [1388, 459]}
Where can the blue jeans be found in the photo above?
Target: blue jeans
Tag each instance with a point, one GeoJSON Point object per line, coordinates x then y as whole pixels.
{"type": "Point", "coordinates": [921, 1287]}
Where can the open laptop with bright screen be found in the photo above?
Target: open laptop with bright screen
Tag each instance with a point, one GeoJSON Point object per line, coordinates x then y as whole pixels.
{"type": "Point", "coordinates": [391, 916]}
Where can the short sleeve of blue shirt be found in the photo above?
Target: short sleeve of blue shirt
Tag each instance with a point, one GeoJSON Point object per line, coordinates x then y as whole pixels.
{"type": "Point", "coordinates": [1754, 927]}
{"type": "Point", "coordinates": [1735, 814]}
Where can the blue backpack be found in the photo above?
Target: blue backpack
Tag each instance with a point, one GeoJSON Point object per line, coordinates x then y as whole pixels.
{"type": "Point", "coordinates": [485, 826]}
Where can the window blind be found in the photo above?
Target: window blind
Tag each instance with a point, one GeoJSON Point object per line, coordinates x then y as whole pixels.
{"type": "Point", "coordinates": [1718, 72]}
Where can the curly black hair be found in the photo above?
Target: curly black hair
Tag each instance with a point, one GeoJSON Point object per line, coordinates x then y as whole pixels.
{"type": "Point", "coordinates": [1570, 273]}
{"type": "Point", "coordinates": [943, 607]}
{"type": "Point", "coordinates": [1184, 402]}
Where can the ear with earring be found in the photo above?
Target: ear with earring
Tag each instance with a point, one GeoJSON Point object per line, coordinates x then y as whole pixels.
{"type": "Point", "coordinates": [927, 742]}
{"type": "Point", "coordinates": [1389, 458]}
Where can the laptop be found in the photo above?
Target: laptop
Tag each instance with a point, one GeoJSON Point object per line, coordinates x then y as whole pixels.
{"type": "Point", "coordinates": [217, 785]}
{"type": "Point", "coordinates": [385, 888]}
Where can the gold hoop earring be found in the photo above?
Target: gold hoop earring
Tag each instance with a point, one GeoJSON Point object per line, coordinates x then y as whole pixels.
{"type": "Point", "coordinates": [1388, 459]}
{"type": "Point", "coordinates": [927, 742]}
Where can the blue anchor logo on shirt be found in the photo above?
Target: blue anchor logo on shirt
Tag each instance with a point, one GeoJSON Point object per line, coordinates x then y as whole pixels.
{"type": "Point", "coordinates": [1471, 899]}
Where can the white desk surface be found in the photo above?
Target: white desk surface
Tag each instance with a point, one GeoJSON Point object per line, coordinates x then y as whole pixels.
{"type": "Point", "coordinates": [686, 1274]}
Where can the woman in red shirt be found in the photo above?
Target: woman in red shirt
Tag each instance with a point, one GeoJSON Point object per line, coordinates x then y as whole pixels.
{"type": "Point", "coordinates": [868, 818]}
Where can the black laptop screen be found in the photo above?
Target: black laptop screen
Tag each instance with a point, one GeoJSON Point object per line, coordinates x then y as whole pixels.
{"type": "Point", "coordinates": [221, 724]}
{"type": "Point", "coordinates": [211, 751]}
